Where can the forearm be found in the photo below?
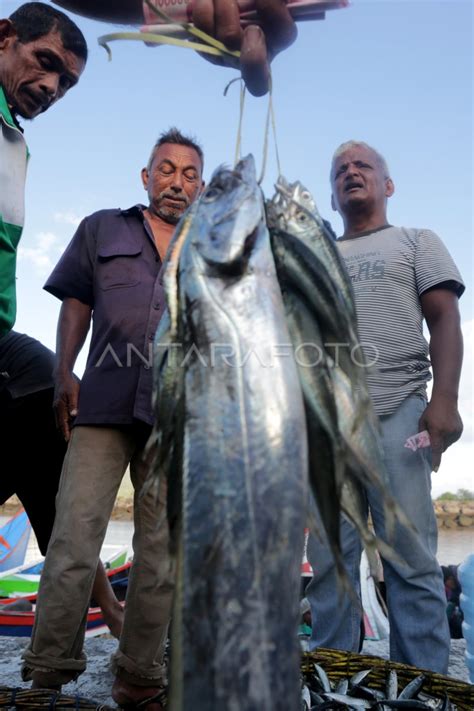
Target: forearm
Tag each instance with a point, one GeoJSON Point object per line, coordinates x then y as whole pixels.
{"type": "Point", "coordinates": [73, 325]}
{"type": "Point", "coordinates": [446, 353]}
{"type": "Point", "coordinates": [125, 11]}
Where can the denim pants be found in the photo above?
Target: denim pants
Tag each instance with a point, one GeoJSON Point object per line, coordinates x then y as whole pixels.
{"type": "Point", "coordinates": [419, 632]}
{"type": "Point", "coordinates": [94, 465]}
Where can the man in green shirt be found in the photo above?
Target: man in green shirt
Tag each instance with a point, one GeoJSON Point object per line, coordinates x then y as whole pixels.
{"type": "Point", "coordinates": [42, 55]}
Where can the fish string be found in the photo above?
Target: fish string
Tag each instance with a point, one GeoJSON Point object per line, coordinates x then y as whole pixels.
{"type": "Point", "coordinates": [238, 141]}
{"type": "Point", "coordinates": [274, 131]}
{"type": "Point", "coordinates": [270, 120]}
{"type": "Point", "coordinates": [266, 134]}
{"type": "Point", "coordinates": [238, 145]}
{"type": "Point", "coordinates": [209, 45]}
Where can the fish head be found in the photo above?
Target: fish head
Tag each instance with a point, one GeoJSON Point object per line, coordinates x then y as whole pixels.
{"type": "Point", "coordinates": [293, 208]}
{"type": "Point", "coordinates": [229, 216]}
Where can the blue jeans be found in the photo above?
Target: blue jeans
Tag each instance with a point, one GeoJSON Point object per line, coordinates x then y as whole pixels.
{"type": "Point", "coordinates": [419, 632]}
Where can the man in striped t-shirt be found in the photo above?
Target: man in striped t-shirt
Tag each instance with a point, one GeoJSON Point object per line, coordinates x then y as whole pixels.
{"type": "Point", "coordinates": [400, 277]}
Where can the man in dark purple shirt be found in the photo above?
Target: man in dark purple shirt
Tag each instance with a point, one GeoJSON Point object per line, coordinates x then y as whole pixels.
{"type": "Point", "coordinates": [111, 272]}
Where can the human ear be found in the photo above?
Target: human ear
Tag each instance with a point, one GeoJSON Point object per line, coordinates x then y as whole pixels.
{"type": "Point", "coordinates": [7, 33]}
{"type": "Point", "coordinates": [145, 176]}
{"type": "Point", "coordinates": [333, 203]}
{"type": "Point", "coordinates": [389, 187]}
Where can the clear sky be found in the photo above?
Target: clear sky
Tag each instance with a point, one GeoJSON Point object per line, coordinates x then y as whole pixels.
{"type": "Point", "coordinates": [395, 73]}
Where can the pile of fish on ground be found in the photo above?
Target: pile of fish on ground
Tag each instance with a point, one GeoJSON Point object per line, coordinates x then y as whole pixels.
{"type": "Point", "coordinates": [356, 692]}
{"type": "Point", "coordinates": [242, 421]}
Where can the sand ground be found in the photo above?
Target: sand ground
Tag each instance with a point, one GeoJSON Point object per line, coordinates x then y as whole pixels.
{"type": "Point", "coordinates": [96, 682]}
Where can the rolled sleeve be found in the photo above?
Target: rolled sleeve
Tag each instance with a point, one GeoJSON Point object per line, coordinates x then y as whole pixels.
{"type": "Point", "coordinates": [73, 275]}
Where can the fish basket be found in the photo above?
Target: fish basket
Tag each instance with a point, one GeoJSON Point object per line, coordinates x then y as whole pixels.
{"type": "Point", "coordinates": [30, 699]}
{"type": "Point", "coordinates": [338, 665]}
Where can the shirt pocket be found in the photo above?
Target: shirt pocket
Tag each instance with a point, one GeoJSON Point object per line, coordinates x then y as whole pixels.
{"type": "Point", "coordinates": [118, 266]}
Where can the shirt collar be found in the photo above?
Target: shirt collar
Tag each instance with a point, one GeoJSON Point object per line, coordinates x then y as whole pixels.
{"type": "Point", "coordinates": [134, 210]}
{"type": "Point", "coordinates": [365, 234]}
{"type": "Point", "coordinates": [6, 113]}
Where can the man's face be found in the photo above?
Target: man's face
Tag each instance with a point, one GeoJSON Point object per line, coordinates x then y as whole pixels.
{"type": "Point", "coordinates": [36, 74]}
{"type": "Point", "coordinates": [358, 180]}
{"type": "Point", "coordinates": [173, 181]}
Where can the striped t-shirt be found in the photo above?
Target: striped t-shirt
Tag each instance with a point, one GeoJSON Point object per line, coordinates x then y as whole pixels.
{"type": "Point", "coordinates": [390, 268]}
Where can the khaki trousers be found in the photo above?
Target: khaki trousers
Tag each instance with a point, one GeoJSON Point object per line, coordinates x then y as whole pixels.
{"type": "Point", "coordinates": [94, 465]}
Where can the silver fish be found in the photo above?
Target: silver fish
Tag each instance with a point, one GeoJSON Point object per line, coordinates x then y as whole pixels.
{"type": "Point", "coordinates": [318, 298]}
{"type": "Point", "coordinates": [242, 485]}
{"type": "Point", "coordinates": [299, 203]}
{"type": "Point", "coordinates": [343, 429]}
{"type": "Point", "coordinates": [348, 701]}
{"type": "Point", "coordinates": [413, 687]}
{"type": "Point", "coordinates": [392, 684]}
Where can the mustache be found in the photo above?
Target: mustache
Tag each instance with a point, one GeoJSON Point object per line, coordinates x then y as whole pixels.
{"type": "Point", "coordinates": [175, 196]}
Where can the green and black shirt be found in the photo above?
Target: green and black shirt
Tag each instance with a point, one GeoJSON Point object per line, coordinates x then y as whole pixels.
{"type": "Point", "coordinates": [13, 162]}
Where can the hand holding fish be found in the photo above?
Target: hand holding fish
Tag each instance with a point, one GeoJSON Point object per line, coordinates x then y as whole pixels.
{"type": "Point", "coordinates": [443, 422]}
{"type": "Point", "coordinates": [258, 44]}
{"type": "Point", "coordinates": [260, 29]}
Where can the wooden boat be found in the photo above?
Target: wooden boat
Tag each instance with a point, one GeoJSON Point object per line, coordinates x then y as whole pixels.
{"type": "Point", "coordinates": [24, 579]}
{"type": "Point", "coordinates": [19, 623]}
{"type": "Point", "coordinates": [14, 536]}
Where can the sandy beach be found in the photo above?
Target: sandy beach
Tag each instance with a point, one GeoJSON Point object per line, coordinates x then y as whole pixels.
{"type": "Point", "coordinates": [96, 682]}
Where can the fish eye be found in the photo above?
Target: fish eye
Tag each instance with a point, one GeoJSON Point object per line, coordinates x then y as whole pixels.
{"type": "Point", "coordinates": [301, 217]}
{"type": "Point", "coordinates": [211, 194]}
{"type": "Point", "coordinates": [305, 195]}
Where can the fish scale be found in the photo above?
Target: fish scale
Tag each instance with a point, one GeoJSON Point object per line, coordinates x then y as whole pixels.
{"type": "Point", "coordinates": [344, 447]}
{"type": "Point", "coordinates": [244, 464]}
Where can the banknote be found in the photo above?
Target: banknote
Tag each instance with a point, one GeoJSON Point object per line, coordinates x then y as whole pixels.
{"type": "Point", "coordinates": [182, 10]}
{"type": "Point", "coordinates": [418, 441]}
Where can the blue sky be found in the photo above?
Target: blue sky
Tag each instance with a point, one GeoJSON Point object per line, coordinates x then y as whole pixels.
{"type": "Point", "coordinates": [395, 73]}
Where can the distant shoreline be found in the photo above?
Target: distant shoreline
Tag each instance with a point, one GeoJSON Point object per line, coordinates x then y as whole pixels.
{"type": "Point", "coordinates": [455, 515]}
{"type": "Point", "coordinates": [123, 509]}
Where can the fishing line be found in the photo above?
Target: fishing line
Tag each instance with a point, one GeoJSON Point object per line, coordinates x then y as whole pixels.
{"type": "Point", "coordinates": [210, 46]}
{"type": "Point", "coordinates": [238, 142]}
{"type": "Point", "coordinates": [265, 137]}
{"type": "Point", "coordinates": [270, 119]}
{"type": "Point", "coordinates": [275, 140]}
{"type": "Point", "coordinates": [238, 145]}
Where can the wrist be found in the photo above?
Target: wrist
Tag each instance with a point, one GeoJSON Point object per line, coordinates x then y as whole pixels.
{"type": "Point", "coordinates": [449, 397]}
{"type": "Point", "coordinates": [62, 371]}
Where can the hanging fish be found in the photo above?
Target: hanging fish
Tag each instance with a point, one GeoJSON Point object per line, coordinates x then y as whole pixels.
{"type": "Point", "coordinates": [241, 490]}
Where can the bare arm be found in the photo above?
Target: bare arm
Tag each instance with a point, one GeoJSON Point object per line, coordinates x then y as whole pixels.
{"type": "Point", "coordinates": [73, 325]}
{"type": "Point", "coordinates": [219, 18]}
{"type": "Point", "coordinates": [441, 417]}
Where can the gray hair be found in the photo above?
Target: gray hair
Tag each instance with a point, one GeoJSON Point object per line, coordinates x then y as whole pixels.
{"type": "Point", "coordinates": [354, 144]}
{"type": "Point", "coordinates": [173, 135]}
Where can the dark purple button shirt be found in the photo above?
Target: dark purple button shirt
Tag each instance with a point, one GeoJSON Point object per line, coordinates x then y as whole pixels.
{"type": "Point", "coordinates": [112, 265]}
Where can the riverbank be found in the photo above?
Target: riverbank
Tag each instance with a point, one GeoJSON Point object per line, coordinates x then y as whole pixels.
{"type": "Point", "coordinates": [97, 680]}
{"type": "Point", "coordinates": [449, 514]}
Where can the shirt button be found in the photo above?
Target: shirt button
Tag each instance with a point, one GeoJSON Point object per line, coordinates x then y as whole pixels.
{"type": "Point", "coordinates": [151, 337]}
{"type": "Point", "coordinates": [146, 367]}
{"type": "Point", "coordinates": [157, 306]}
